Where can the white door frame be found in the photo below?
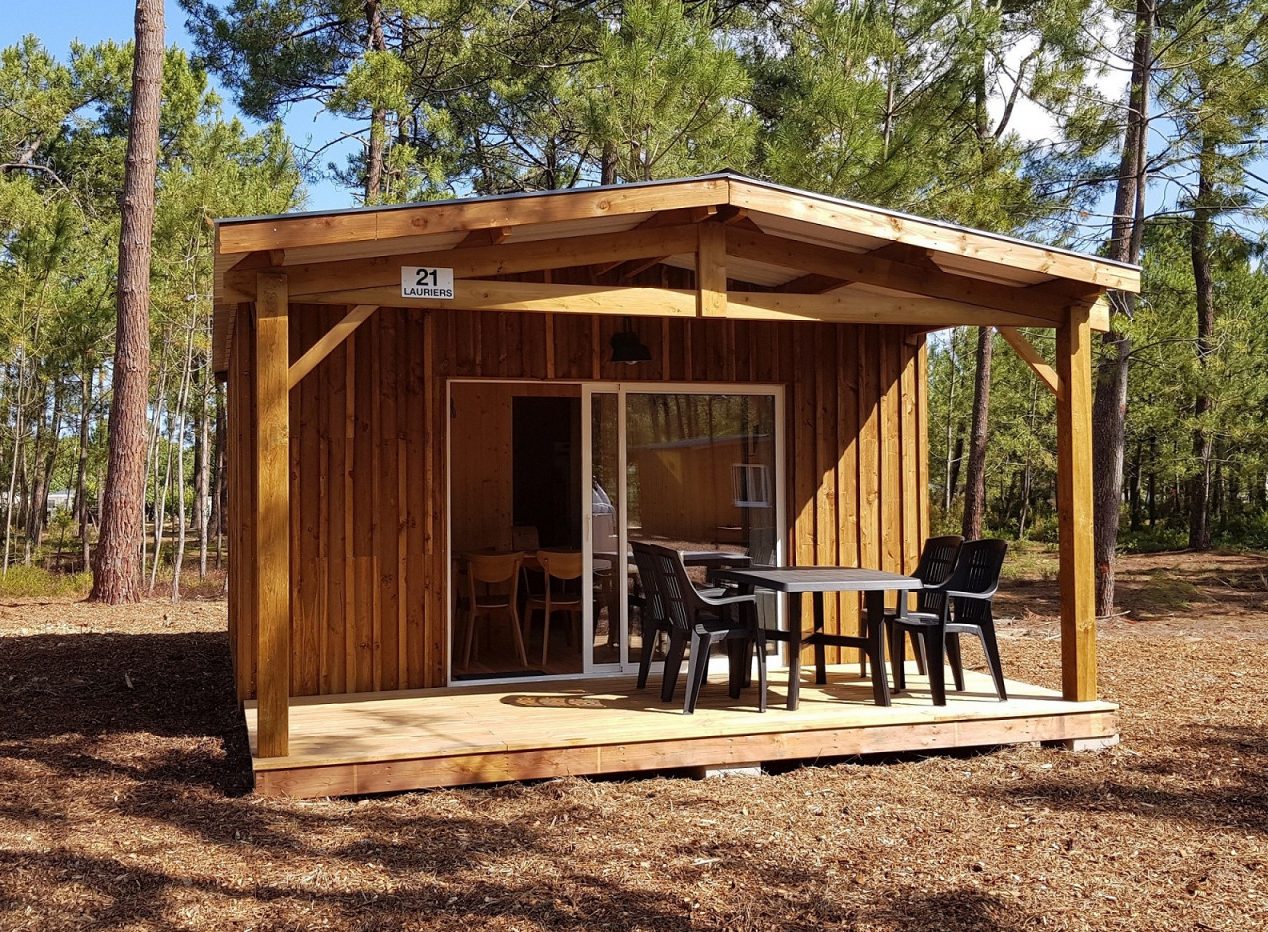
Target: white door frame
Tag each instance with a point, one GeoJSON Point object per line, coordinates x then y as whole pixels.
{"type": "Point", "coordinates": [621, 390]}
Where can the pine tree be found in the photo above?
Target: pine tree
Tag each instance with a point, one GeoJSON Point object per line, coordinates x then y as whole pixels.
{"type": "Point", "coordinates": [115, 571]}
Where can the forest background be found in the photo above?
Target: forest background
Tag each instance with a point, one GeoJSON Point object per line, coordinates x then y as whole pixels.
{"type": "Point", "coordinates": [1133, 130]}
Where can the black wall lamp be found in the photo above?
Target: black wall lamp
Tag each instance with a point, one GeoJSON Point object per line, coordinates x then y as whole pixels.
{"type": "Point", "coordinates": [628, 348]}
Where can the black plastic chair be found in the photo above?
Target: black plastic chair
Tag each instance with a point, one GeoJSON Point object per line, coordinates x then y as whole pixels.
{"type": "Point", "coordinates": [937, 560]}
{"type": "Point", "coordinates": [653, 621]}
{"type": "Point", "coordinates": [966, 609]}
{"type": "Point", "coordinates": [701, 621]}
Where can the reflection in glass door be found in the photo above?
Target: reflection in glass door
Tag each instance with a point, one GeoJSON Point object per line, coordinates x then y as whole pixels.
{"type": "Point", "coordinates": [604, 570]}
{"type": "Point", "coordinates": [701, 478]}
{"type": "Point", "coordinates": [688, 467]}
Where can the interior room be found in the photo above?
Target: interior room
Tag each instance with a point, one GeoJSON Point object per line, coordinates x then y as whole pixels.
{"type": "Point", "coordinates": [691, 469]}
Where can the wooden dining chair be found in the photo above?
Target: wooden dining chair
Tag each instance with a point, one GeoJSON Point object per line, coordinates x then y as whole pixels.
{"type": "Point", "coordinates": [560, 569]}
{"type": "Point", "coordinates": [493, 581]}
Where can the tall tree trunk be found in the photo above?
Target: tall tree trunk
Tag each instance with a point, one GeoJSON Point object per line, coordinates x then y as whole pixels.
{"type": "Point", "coordinates": [81, 465]}
{"type": "Point", "coordinates": [45, 461]}
{"type": "Point", "coordinates": [202, 469]}
{"type": "Point", "coordinates": [219, 494]}
{"type": "Point", "coordinates": [1133, 491]}
{"type": "Point", "coordinates": [1200, 256]}
{"type": "Point", "coordinates": [1109, 406]}
{"type": "Point", "coordinates": [15, 464]}
{"type": "Point", "coordinates": [954, 444]}
{"type": "Point", "coordinates": [975, 471]}
{"type": "Point", "coordinates": [182, 407]}
{"type": "Point", "coordinates": [607, 164]}
{"type": "Point", "coordinates": [115, 576]}
{"type": "Point", "coordinates": [378, 116]}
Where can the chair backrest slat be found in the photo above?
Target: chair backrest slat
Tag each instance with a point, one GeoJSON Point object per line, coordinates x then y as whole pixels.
{"type": "Point", "coordinates": [937, 562]}
{"type": "Point", "coordinates": [498, 573]}
{"type": "Point", "coordinates": [678, 597]}
{"type": "Point", "coordinates": [645, 560]}
{"type": "Point", "coordinates": [976, 578]}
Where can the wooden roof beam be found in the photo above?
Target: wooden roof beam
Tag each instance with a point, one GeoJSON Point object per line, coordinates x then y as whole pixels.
{"type": "Point", "coordinates": [814, 284]}
{"type": "Point", "coordinates": [686, 216]}
{"type": "Point", "coordinates": [328, 342]}
{"type": "Point", "coordinates": [489, 236]}
{"type": "Point", "coordinates": [845, 307]}
{"type": "Point", "coordinates": [388, 223]}
{"type": "Point", "coordinates": [480, 261]}
{"type": "Point", "coordinates": [863, 307]}
{"type": "Point", "coordinates": [871, 269]}
{"type": "Point", "coordinates": [1032, 357]}
{"type": "Point", "coordinates": [823, 211]}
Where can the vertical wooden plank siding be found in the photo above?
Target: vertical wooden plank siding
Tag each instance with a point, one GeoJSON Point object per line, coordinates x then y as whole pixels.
{"type": "Point", "coordinates": [273, 524]}
{"type": "Point", "coordinates": [827, 452]}
{"type": "Point", "coordinates": [369, 481]}
{"type": "Point", "coordinates": [847, 504]}
{"type": "Point", "coordinates": [1074, 507]}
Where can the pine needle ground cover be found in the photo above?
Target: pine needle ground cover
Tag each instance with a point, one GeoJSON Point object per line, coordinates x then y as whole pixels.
{"type": "Point", "coordinates": [124, 803]}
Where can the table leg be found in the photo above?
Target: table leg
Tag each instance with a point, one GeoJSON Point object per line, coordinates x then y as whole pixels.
{"type": "Point", "coordinates": [735, 660]}
{"type": "Point", "coordinates": [876, 646]}
{"type": "Point", "coordinates": [821, 650]}
{"type": "Point", "coordinates": [794, 650]}
{"type": "Point", "coordinates": [898, 645]}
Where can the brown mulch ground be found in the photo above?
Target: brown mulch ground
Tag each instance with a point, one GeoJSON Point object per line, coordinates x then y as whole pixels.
{"type": "Point", "coordinates": [123, 802]}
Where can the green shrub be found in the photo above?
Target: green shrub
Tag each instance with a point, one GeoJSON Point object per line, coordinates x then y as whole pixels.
{"type": "Point", "coordinates": [34, 582]}
{"type": "Point", "coordinates": [1152, 539]}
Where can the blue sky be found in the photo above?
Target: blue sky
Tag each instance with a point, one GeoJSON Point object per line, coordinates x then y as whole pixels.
{"type": "Point", "coordinates": [89, 21]}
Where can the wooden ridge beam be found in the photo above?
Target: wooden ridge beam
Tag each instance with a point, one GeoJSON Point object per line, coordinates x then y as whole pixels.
{"type": "Point", "coordinates": [480, 261]}
{"type": "Point", "coordinates": [1032, 357]}
{"type": "Point", "coordinates": [328, 342]}
{"type": "Point", "coordinates": [871, 269]}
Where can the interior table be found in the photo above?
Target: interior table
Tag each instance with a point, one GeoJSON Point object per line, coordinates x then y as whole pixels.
{"type": "Point", "coordinates": [816, 580]}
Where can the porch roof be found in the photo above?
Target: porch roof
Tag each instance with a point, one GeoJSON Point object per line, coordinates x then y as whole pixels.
{"type": "Point", "coordinates": [759, 250]}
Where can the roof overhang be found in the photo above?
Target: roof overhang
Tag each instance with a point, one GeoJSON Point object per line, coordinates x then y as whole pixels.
{"type": "Point", "coordinates": [789, 254]}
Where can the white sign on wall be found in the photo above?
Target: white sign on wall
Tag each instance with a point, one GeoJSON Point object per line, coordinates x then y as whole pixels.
{"type": "Point", "coordinates": [421, 281]}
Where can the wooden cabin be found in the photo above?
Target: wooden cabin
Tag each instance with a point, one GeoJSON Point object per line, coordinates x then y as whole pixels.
{"type": "Point", "coordinates": [409, 385]}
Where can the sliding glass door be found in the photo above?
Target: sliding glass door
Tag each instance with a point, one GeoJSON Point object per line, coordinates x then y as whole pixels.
{"type": "Point", "coordinates": [696, 468]}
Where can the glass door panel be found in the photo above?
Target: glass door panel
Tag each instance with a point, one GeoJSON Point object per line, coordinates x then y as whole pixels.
{"type": "Point", "coordinates": [607, 581]}
{"type": "Point", "coordinates": [701, 477]}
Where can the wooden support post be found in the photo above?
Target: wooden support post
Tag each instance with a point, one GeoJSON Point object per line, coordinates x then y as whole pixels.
{"type": "Point", "coordinates": [272, 469]}
{"type": "Point", "coordinates": [711, 270]}
{"type": "Point", "coordinates": [1074, 505]}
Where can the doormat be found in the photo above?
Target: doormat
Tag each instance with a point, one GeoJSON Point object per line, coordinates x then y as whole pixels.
{"type": "Point", "coordinates": [500, 675]}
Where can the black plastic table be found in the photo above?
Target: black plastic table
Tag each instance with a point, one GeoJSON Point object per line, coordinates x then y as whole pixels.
{"type": "Point", "coordinates": [817, 580]}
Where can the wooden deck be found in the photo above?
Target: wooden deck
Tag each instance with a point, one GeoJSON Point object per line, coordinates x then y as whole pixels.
{"type": "Point", "coordinates": [383, 742]}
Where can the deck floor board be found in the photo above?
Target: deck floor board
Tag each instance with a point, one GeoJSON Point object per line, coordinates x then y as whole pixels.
{"type": "Point", "coordinates": [372, 741]}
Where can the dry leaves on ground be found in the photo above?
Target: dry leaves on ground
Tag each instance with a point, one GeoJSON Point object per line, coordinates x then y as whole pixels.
{"type": "Point", "coordinates": [124, 805]}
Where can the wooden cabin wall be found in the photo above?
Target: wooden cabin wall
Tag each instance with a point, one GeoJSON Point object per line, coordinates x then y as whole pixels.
{"type": "Point", "coordinates": [368, 465]}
